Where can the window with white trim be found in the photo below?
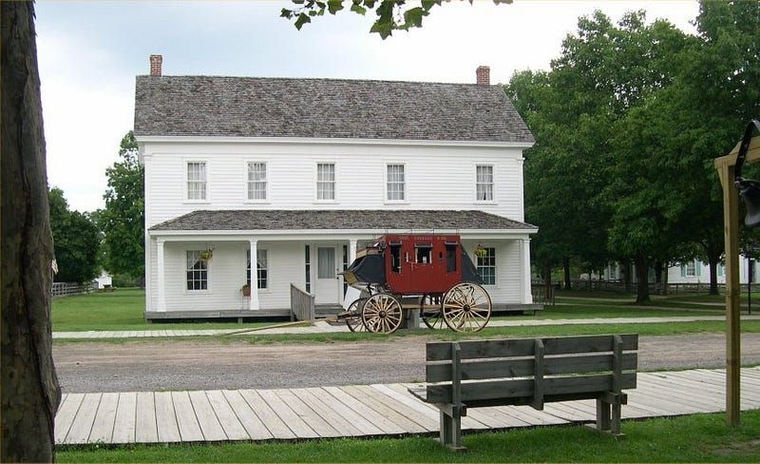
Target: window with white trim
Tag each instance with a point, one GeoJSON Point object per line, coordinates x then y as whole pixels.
{"type": "Point", "coordinates": [196, 270]}
{"type": "Point", "coordinates": [325, 181]}
{"type": "Point", "coordinates": [262, 268]}
{"type": "Point", "coordinates": [484, 182]}
{"type": "Point", "coordinates": [486, 265]}
{"type": "Point", "coordinates": [196, 180]}
{"type": "Point", "coordinates": [689, 269]}
{"type": "Point", "coordinates": [257, 180]}
{"type": "Point", "coordinates": [395, 183]}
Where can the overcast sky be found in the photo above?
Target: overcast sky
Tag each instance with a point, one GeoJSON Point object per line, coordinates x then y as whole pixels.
{"type": "Point", "coordinates": [90, 52]}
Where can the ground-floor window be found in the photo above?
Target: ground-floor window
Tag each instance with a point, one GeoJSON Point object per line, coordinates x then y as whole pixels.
{"type": "Point", "coordinates": [487, 266]}
{"type": "Point", "coordinates": [262, 268]}
{"type": "Point", "coordinates": [196, 271]}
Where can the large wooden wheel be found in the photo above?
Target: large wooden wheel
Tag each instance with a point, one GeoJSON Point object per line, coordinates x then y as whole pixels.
{"type": "Point", "coordinates": [382, 313]}
{"type": "Point", "coordinates": [430, 311]}
{"type": "Point", "coordinates": [354, 317]}
{"type": "Point", "coordinates": [466, 307]}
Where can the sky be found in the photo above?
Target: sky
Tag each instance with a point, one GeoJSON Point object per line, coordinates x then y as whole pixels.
{"type": "Point", "coordinates": [90, 51]}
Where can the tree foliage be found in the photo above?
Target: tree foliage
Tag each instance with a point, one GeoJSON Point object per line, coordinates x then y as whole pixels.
{"type": "Point", "coordinates": [123, 219]}
{"type": "Point", "coordinates": [76, 238]}
{"type": "Point", "coordinates": [627, 123]}
{"type": "Point", "coordinates": [392, 15]}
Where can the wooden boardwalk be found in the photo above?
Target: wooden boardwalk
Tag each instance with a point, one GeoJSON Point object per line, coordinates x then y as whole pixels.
{"type": "Point", "coordinates": [356, 410]}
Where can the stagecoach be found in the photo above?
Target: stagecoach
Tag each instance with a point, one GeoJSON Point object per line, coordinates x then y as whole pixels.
{"type": "Point", "coordinates": [401, 273]}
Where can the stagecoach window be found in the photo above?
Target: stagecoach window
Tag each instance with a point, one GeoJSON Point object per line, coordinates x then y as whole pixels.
{"type": "Point", "coordinates": [423, 252]}
{"type": "Point", "coordinates": [451, 257]}
{"type": "Point", "coordinates": [395, 257]}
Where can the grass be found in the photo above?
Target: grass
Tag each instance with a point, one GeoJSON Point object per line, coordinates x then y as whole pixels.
{"type": "Point", "coordinates": [693, 438]}
{"type": "Point", "coordinates": [123, 310]}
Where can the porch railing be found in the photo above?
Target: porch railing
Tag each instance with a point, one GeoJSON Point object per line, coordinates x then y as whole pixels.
{"type": "Point", "coordinates": [301, 305]}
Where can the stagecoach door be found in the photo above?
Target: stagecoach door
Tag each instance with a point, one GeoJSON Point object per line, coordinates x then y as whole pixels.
{"type": "Point", "coordinates": [328, 284]}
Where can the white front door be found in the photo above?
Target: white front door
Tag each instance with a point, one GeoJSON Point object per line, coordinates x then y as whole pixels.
{"type": "Point", "coordinates": [327, 289]}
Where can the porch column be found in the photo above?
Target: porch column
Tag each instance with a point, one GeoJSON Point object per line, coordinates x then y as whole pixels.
{"type": "Point", "coordinates": [351, 251]}
{"type": "Point", "coordinates": [161, 278]}
{"type": "Point", "coordinates": [527, 295]}
{"type": "Point", "coordinates": [254, 302]}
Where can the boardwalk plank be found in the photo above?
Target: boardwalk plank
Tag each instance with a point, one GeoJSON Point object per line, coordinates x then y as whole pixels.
{"type": "Point", "coordinates": [700, 394]}
{"type": "Point", "coordinates": [166, 418]}
{"type": "Point", "coordinates": [411, 407]}
{"type": "Point", "coordinates": [268, 416]}
{"type": "Point", "coordinates": [533, 416]}
{"type": "Point", "coordinates": [295, 423]}
{"type": "Point", "coordinates": [105, 417]}
{"type": "Point", "coordinates": [189, 428]}
{"type": "Point", "coordinates": [233, 428]}
{"type": "Point", "coordinates": [387, 426]}
{"type": "Point", "coordinates": [316, 422]}
{"type": "Point", "coordinates": [79, 432]}
{"type": "Point", "coordinates": [253, 426]}
{"type": "Point", "coordinates": [384, 405]}
{"type": "Point", "coordinates": [67, 411]}
{"type": "Point", "coordinates": [210, 427]}
{"type": "Point", "coordinates": [364, 427]}
{"type": "Point", "coordinates": [146, 426]}
{"type": "Point", "coordinates": [313, 397]}
{"type": "Point", "coordinates": [126, 416]}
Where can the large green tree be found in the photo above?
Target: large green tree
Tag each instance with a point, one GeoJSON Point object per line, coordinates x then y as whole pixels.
{"type": "Point", "coordinates": [76, 239]}
{"type": "Point", "coordinates": [29, 390]}
{"type": "Point", "coordinates": [123, 219]}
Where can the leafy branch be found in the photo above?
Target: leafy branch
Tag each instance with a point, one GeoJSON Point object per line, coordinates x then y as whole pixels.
{"type": "Point", "coordinates": [393, 15]}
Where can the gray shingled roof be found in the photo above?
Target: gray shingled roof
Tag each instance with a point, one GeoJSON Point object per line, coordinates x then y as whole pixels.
{"type": "Point", "coordinates": [324, 108]}
{"type": "Point", "coordinates": [338, 219]}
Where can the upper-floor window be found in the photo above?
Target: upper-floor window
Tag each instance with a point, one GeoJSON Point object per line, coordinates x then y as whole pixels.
{"type": "Point", "coordinates": [196, 270]}
{"type": "Point", "coordinates": [257, 181]}
{"type": "Point", "coordinates": [196, 180]}
{"type": "Point", "coordinates": [395, 185]}
{"type": "Point", "coordinates": [484, 182]}
{"type": "Point", "coordinates": [487, 266]}
{"type": "Point", "coordinates": [325, 181]}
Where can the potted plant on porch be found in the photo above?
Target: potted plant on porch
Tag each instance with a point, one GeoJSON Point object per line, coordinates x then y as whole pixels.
{"type": "Point", "coordinates": [246, 290]}
{"type": "Point", "coordinates": [206, 254]}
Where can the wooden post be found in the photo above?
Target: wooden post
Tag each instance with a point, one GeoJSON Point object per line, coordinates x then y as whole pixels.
{"type": "Point", "coordinates": [725, 167]}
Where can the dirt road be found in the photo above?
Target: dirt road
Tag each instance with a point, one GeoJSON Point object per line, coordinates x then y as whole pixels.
{"type": "Point", "coordinates": [208, 365]}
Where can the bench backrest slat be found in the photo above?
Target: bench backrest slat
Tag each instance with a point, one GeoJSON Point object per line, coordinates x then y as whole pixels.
{"type": "Point", "coordinates": [476, 349]}
{"type": "Point", "coordinates": [522, 389]}
{"type": "Point", "coordinates": [524, 367]}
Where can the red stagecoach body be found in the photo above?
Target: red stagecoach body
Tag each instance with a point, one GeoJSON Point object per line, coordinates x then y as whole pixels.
{"type": "Point", "coordinates": [413, 264]}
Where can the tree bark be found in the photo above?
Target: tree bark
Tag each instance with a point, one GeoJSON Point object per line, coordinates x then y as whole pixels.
{"type": "Point", "coordinates": [566, 271]}
{"type": "Point", "coordinates": [30, 392]}
{"type": "Point", "coordinates": [642, 279]}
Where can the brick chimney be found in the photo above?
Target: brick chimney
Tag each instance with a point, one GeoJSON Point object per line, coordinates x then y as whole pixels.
{"type": "Point", "coordinates": [483, 75]}
{"type": "Point", "coordinates": [155, 65]}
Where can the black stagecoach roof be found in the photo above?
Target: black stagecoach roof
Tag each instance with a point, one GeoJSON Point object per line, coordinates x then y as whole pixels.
{"type": "Point", "coordinates": [250, 219]}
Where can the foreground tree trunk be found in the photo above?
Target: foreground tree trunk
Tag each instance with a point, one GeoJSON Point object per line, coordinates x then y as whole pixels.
{"type": "Point", "coordinates": [30, 392]}
{"type": "Point", "coordinates": [642, 279]}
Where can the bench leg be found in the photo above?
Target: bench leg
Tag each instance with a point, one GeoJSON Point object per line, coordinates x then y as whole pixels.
{"type": "Point", "coordinates": [608, 416]}
{"type": "Point", "coordinates": [451, 431]}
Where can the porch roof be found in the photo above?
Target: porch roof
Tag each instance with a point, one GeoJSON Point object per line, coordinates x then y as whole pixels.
{"type": "Point", "coordinates": [250, 219]}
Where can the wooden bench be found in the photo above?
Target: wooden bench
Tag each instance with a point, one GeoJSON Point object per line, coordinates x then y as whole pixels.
{"type": "Point", "coordinates": [482, 373]}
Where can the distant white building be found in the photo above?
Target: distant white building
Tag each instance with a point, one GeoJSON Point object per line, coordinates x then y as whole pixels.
{"type": "Point", "coordinates": [690, 272]}
{"type": "Point", "coordinates": [103, 281]}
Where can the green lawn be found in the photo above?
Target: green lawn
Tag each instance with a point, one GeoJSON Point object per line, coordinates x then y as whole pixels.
{"type": "Point", "coordinates": [693, 438]}
{"type": "Point", "coordinates": [123, 310]}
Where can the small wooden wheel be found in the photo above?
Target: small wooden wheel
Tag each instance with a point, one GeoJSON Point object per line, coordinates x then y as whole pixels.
{"type": "Point", "coordinates": [430, 311]}
{"type": "Point", "coordinates": [382, 313]}
{"type": "Point", "coordinates": [466, 307]}
{"type": "Point", "coordinates": [354, 318]}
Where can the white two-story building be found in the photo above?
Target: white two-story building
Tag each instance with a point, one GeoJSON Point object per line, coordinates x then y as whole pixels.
{"type": "Point", "coordinates": [281, 180]}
